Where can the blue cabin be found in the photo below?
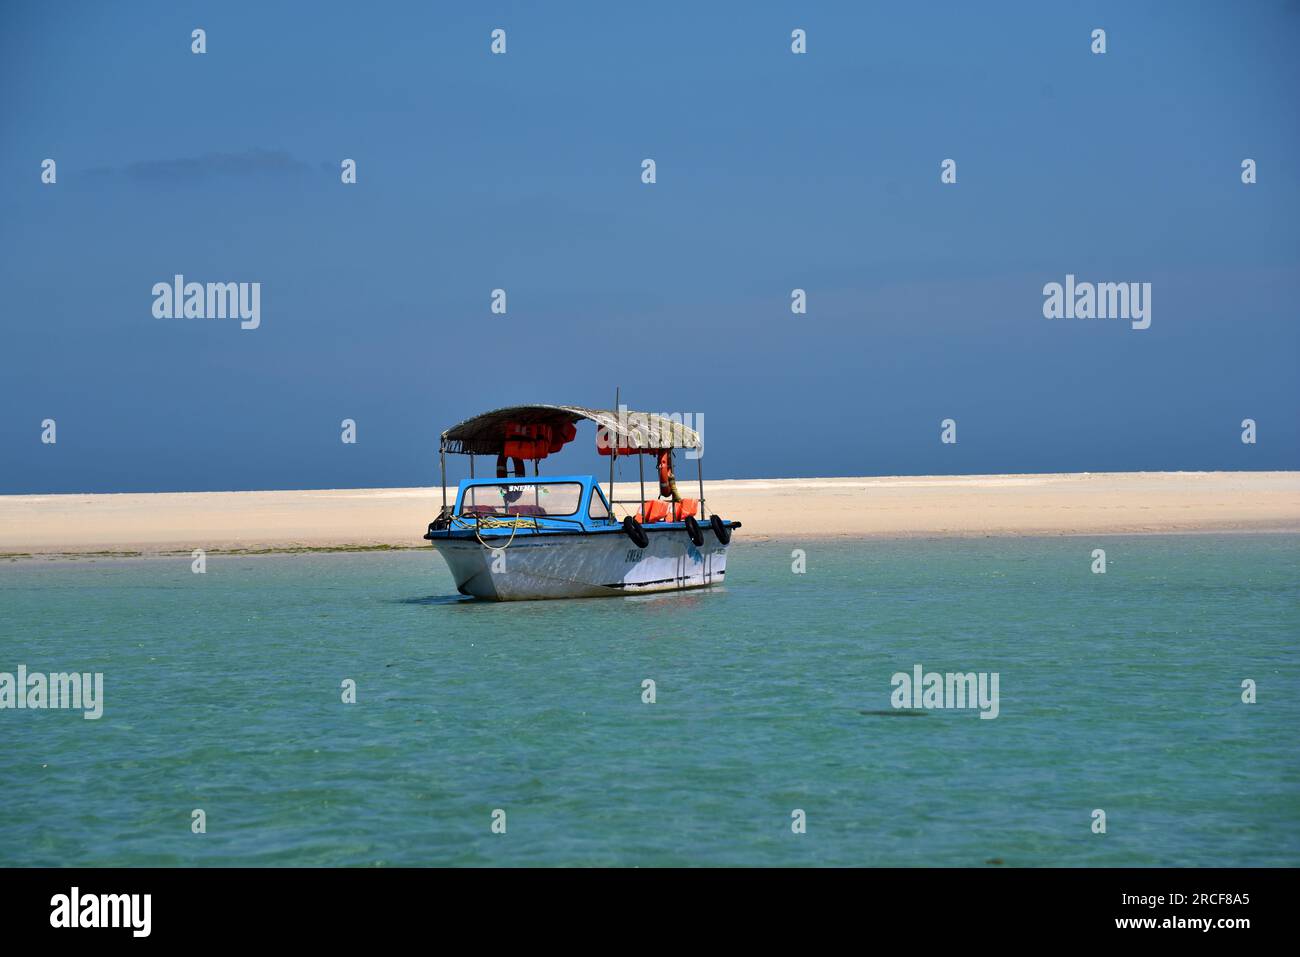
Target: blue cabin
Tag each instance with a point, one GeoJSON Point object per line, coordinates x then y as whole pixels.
{"type": "Point", "coordinates": [554, 503]}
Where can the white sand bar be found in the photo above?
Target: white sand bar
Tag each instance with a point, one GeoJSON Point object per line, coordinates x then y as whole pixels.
{"type": "Point", "coordinates": [909, 506]}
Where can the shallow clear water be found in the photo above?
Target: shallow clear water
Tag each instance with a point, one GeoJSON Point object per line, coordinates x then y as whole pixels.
{"type": "Point", "coordinates": [1119, 691]}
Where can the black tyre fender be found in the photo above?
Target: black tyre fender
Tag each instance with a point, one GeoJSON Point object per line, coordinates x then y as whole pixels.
{"type": "Point", "coordinates": [720, 529]}
{"type": "Point", "coordinates": [635, 532]}
{"type": "Point", "coordinates": [693, 530]}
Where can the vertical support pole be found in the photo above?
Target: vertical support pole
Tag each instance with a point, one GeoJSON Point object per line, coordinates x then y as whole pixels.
{"type": "Point", "coordinates": [640, 461]}
{"type": "Point", "coordinates": [699, 465]}
{"type": "Point", "coordinates": [442, 467]}
{"type": "Point", "coordinates": [613, 454]}
{"type": "Point", "coordinates": [471, 466]}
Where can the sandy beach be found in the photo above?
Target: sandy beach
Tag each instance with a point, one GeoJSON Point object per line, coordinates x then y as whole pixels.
{"type": "Point", "coordinates": [909, 506]}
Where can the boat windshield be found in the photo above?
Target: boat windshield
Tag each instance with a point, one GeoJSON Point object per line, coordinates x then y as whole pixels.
{"type": "Point", "coordinates": [536, 499]}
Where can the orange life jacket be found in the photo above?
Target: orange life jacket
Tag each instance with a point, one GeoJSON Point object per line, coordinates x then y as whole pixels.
{"type": "Point", "coordinates": [653, 511]}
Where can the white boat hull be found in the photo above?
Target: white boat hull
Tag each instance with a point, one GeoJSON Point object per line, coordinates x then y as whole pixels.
{"type": "Point", "coordinates": [583, 566]}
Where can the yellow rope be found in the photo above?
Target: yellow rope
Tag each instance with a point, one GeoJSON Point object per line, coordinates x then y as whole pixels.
{"type": "Point", "coordinates": [481, 523]}
{"type": "Point", "coordinates": [523, 521]}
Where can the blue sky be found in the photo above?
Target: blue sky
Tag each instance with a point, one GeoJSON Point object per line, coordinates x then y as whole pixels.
{"type": "Point", "coordinates": [522, 172]}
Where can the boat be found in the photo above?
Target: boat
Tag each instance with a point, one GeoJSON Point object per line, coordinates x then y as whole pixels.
{"type": "Point", "coordinates": [513, 537]}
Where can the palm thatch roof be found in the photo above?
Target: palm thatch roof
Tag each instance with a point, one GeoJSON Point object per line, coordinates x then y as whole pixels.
{"type": "Point", "coordinates": [485, 434]}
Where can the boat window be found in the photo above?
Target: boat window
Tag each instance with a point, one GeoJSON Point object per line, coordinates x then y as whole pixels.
{"type": "Point", "coordinates": [535, 499]}
{"type": "Point", "coordinates": [598, 508]}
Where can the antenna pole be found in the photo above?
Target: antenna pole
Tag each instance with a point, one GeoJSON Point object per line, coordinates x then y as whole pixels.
{"type": "Point", "coordinates": [613, 454]}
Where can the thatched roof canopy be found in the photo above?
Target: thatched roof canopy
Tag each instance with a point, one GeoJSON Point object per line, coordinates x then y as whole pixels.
{"type": "Point", "coordinates": [485, 434]}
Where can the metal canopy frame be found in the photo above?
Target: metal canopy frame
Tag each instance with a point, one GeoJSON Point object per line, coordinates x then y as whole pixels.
{"type": "Point", "coordinates": [483, 435]}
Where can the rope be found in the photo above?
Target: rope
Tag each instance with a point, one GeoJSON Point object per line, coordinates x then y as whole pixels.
{"type": "Point", "coordinates": [514, 524]}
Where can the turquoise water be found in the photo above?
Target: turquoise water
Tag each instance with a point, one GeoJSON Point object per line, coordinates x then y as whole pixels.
{"type": "Point", "coordinates": [1119, 691]}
